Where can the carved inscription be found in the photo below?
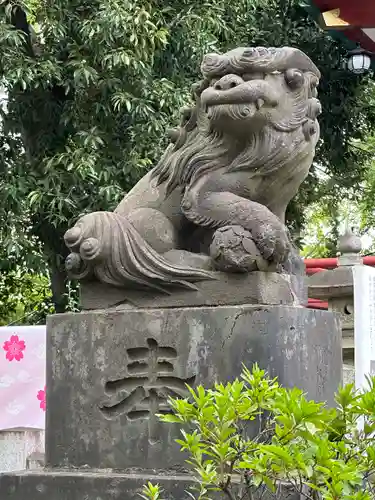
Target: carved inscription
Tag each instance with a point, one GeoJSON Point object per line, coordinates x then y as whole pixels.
{"type": "Point", "coordinates": [146, 390]}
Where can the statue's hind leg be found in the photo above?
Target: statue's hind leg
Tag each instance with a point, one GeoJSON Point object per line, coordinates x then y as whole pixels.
{"type": "Point", "coordinates": [159, 232]}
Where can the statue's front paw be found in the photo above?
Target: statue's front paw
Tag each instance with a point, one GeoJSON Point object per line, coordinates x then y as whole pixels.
{"type": "Point", "coordinates": [294, 263]}
{"type": "Point", "coordinates": [233, 250]}
{"type": "Point", "coordinates": [273, 242]}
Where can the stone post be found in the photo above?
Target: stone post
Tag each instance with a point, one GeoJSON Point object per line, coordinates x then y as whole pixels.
{"type": "Point", "coordinates": [336, 286]}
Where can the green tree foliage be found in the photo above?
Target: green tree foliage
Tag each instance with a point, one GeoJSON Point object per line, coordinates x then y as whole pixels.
{"type": "Point", "coordinates": [25, 293]}
{"type": "Point", "coordinates": [321, 231]}
{"type": "Point", "coordinates": [92, 87]}
{"type": "Point", "coordinates": [25, 298]}
{"type": "Point", "coordinates": [247, 438]}
{"type": "Point", "coordinates": [353, 206]}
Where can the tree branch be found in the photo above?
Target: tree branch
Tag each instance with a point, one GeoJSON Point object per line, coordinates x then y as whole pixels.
{"type": "Point", "coordinates": [20, 23]}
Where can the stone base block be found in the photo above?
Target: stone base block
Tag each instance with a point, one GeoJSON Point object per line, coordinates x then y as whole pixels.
{"type": "Point", "coordinates": [109, 485]}
{"type": "Point", "coordinates": [110, 372]}
{"type": "Point", "coordinates": [228, 289]}
{"type": "Point", "coordinates": [87, 485]}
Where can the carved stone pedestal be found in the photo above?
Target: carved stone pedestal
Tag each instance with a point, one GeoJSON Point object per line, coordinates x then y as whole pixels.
{"type": "Point", "coordinates": [109, 372]}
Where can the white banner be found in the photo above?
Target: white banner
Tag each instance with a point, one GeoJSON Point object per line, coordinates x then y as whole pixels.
{"type": "Point", "coordinates": [364, 324]}
{"type": "Point", "coordinates": [22, 377]}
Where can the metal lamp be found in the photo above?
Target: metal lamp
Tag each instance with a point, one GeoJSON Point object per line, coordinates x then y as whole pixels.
{"type": "Point", "coordinates": [359, 61]}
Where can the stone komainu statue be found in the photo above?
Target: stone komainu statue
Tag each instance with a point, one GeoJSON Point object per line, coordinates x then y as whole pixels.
{"type": "Point", "coordinates": [216, 201]}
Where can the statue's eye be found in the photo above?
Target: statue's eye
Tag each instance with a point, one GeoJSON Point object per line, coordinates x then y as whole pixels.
{"type": "Point", "coordinates": [294, 78]}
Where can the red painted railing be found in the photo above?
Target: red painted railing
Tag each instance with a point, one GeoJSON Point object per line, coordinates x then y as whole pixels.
{"type": "Point", "coordinates": [331, 263]}
{"type": "Point", "coordinates": [317, 265]}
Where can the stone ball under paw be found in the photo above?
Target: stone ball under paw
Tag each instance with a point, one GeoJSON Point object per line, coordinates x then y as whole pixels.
{"type": "Point", "coordinates": [233, 250]}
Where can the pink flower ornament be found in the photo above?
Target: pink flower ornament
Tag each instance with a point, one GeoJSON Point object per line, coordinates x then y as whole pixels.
{"type": "Point", "coordinates": [14, 347]}
{"type": "Point", "coordinates": [41, 396]}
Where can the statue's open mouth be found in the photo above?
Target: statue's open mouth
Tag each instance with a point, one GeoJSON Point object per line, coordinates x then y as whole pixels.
{"type": "Point", "coordinates": [252, 95]}
{"type": "Point", "coordinates": [244, 110]}
{"type": "Point", "coordinates": [236, 111]}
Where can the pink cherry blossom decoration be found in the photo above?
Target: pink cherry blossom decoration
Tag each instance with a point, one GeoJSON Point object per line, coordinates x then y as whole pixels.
{"type": "Point", "coordinates": [14, 347]}
{"type": "Point", "coordinates": [42, 398]}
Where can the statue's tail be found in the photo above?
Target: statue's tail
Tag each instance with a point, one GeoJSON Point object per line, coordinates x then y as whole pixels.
{"type": "Point", "coordinates": [106, 245]}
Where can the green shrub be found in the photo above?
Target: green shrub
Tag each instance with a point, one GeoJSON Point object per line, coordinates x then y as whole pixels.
{"type": "Point", "coordinates": [249, 437]}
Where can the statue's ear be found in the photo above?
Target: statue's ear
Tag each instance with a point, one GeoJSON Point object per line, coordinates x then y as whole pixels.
{"type": "Point", "coordinates": [185, 114]}
{"type": "Point", "coordinates": [188, 119]}
{"type": "Point", "coordinates": [314, 108]}
{"type": "Point", "coordinates": [199, 87]}
{"type": "Point", "coordinates": [173, 134]}
{"type": "Point", "coordinates": [314, 82]}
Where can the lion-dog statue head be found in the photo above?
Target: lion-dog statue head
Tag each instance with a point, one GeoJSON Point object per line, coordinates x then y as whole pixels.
{"type": "Point", "coordinates": [255, 110]}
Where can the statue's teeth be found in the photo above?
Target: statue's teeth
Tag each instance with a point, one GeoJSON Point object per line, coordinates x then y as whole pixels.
{"type": "Point", "coordinates": [259, 103]}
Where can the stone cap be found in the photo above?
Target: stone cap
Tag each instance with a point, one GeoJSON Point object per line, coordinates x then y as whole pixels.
{"type": "Point", "coordinates": [336, 283]}
{"type": "Point", "coordinates": [349, 246]}
{"type": "Point", "coordinates": [332, 283]}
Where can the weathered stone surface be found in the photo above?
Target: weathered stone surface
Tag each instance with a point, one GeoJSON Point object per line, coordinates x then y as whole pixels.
{"type": "Point", "coordinates": [348, 374]}
{"type": "Point", "coordinates": [104, 485]}
{"type": "Point", "coordinates": [97, 359]}
{"type": "Point", "coordinates": [337, 287]}
{"type": "Point", "coordinates": [88, 485]}
{"type": "Point", "coordinates": [18, 447]}
{"type": "Point", "coordinates": [331, 283]}
{"type": "Point", "coordinates": [228, 289]}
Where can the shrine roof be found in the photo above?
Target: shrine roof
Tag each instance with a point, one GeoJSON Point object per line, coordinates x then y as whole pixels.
{"type": "Point", "coordinates": [356, 20]}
